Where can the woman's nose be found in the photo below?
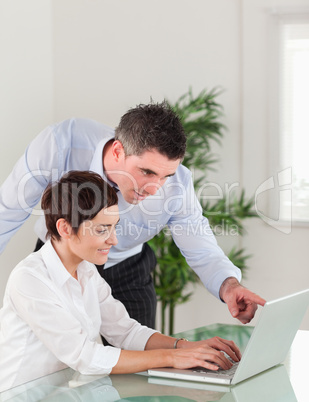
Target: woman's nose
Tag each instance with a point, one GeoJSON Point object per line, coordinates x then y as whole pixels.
{"type": "Point", "coordinates": [112, 239]}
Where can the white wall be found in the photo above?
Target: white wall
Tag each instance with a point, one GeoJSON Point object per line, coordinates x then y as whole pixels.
{"type": "Point", "coordinates": [96, 59]}
{"type": "Point", "coordinates": [26, 98]}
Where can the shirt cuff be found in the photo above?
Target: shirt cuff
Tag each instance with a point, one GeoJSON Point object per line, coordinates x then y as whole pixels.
{"type": "Point", "coordinates": [215, 285]}
{"type": "Point", "coordinates": [103, 360]}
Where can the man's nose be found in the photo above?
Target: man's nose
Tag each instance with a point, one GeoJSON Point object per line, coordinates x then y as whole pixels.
{"type": "Point", "coordinates": [152, 188]}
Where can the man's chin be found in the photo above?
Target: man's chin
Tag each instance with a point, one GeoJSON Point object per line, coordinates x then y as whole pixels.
{"type": "Point", "coordinates": [139, 197]}
{"type": "Point", "coordinates": [134, 201]}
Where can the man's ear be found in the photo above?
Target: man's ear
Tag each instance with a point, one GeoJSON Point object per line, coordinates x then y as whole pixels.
{"type": "Point", "coordinates": [64, 228]}
{"type": "Point", "coordinates": [117, 151]}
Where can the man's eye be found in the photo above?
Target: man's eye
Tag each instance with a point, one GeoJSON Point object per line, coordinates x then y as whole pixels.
{"type": "Point", "coordinates": [145, 173]}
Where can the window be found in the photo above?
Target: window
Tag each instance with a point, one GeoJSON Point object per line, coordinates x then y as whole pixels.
{"type": "Point", "coordinates": [293, 112]}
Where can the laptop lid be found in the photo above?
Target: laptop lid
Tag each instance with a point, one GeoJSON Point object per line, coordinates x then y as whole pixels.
{"type": "Point", "coordinates": [267, 347]}
{"type": "Point", "coordinates": [273, 335]}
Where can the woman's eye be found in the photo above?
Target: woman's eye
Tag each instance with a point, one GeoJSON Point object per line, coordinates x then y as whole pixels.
{"type": "Point", "coordinates": [101, 232]}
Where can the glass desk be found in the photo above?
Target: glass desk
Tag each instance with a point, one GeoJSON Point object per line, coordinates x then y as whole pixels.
{"type": "Point", "coordinates": [286, 382]}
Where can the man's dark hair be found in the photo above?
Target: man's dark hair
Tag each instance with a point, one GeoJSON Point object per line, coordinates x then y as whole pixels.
{"type": "Point", "coordinates": [77, 197]}
{"type": "Point", "coordinates": [149, 127]}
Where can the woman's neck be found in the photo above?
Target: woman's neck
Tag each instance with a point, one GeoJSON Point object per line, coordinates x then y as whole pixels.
{"type": "Point", "coordinates": [68, 259]}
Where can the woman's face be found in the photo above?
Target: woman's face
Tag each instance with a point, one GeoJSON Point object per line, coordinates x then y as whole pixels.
{"type": "Point", "coordinates": [95, 237]}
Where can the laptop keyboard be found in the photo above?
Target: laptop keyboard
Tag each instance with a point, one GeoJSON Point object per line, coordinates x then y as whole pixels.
{"type": "Point", "coordinates": [219, 373]}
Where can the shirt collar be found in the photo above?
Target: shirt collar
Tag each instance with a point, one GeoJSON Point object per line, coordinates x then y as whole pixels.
{"type": "Point", "coordinates": [97, 162]}
{"type": "Point", "coordinates": [57, 270]}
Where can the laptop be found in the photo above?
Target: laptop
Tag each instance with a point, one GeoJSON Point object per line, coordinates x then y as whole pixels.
{"type": "Point", "coordinates": [268, 345]}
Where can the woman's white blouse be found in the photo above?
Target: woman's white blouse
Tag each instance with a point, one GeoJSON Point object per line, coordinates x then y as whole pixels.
{"type": "Point", "coordinates": [50, 321]}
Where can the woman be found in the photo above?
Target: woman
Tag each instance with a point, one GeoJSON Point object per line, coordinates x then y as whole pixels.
{"type": "Point", "coordinates": [56, 304]}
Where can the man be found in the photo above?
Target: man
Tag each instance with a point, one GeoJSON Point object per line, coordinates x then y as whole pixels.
{"type": "Point", "coordinates": [142, 159]}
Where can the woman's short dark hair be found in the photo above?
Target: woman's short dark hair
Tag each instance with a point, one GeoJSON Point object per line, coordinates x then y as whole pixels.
{"type": "Point", "coordinates": [77, 197]}
{"type": "Point", "coordinates": [153, 126]}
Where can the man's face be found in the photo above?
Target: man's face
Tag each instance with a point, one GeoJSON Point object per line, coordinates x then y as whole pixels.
{"type": "Point", "coordinates": [138, 177]}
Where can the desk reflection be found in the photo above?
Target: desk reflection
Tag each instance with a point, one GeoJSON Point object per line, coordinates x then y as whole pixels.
{"type": "Point", "coordinates": [272, 385]}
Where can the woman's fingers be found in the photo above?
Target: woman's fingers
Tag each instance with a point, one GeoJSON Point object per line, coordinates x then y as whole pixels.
{"type": "Point", "coordinates": [204, 357]}
{"type": "Point", "coordinates": [211, 354]}
{"type": "Point", "coordinates": [220, 344]}
{"type": "Point", "coordinates": [220, 359]}
{"type": "Point", "coordinates": [226, 346]}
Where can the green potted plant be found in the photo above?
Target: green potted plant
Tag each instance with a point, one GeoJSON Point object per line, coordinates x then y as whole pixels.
{"type": "Point", "coordinates": [201, 117]}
